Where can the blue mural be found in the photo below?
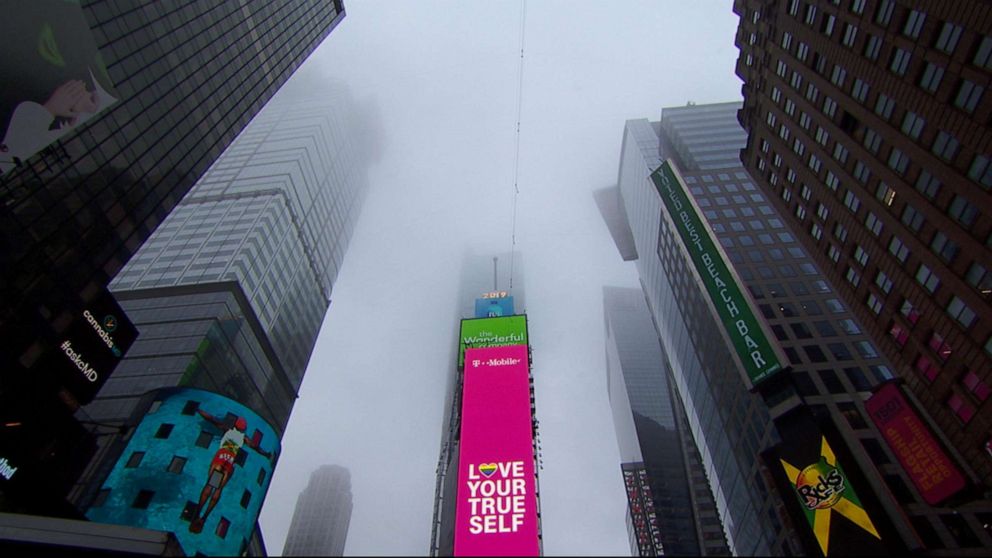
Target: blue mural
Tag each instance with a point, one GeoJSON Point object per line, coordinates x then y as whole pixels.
{"type": "Point", "coordinates": [493, 307]}
{"type": "Point", "coordinates": [198, 465]}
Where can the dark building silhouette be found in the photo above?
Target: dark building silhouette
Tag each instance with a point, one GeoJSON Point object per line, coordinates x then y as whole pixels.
{"type": "Point", "coordinates": [322, 515]}
{"type": "Point", "coordinates": [868, 128]}
{"type": "Point", "coordinates": [670, 505]}
{"type": "Point", "coordinates": [187, 79]}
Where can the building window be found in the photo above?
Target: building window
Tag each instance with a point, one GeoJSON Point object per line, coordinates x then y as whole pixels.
{"type": "Point", "coordinates": [814, 163]}
{"type": "Point", "coordinates": [143, 499]}
{"type": "Point", "coordinates": [927, 184]}
{"type": "Point", "coordinates": [176, 465]}
{"type": "Point", "coordinates": [983, 55]}
{"type": "Point", "coordinates": [980, 278]}
{"type": "Point", "coordinates": [800, 212]}
{"type": "Point", "coordinates": [912, 124]}
{"type": "Point", "coordinates": [963, 211]}
{"type": "Point", "coordinates": [796, 81]}
{"type": "Point", "coordinates": [802, 51]}
{"type": "Point", "coordinates": [912, 218]}
{"type": "Point", "coordinates": [945, 145]}
{"type": "Point", "coordinates": [914, 23]}
{"type": "Point", "coordinates": [976, 386]}
{"type": "Point", "coordinates": [947, 41]}
{"type": "Point", "coordinates": [944, 247]}
{"type": "Point", "coordinates": [853, 277]}
{"type": "Point", "coordinates": [840, 153]}
{"type": "Point", "coordinates": [884, 106]}
{"type": "Point", "coordinates": [204, 439]}
{"type": "Point", "coordinates": [898, 161]}
{"type": "Point", "coordinates": [874, 303]}
{"type": "Point", "coordinates": [827, 27]}
{"type": "Point", "coordinates": [850, 34]}
{"type": "Point", "coordinates": [810, 14]}
{"type": "Point", "coordinates": [786, 40]}
{"type": "Point", "coordinates": [898, 333]}
{"type": "Point", "coordinates": [884, 13]}
{"type": "Point", "coordinates": [873, 223]}
{"type": "Point", "coordinates": [852, 202]}
{"type": "Point", "coordinates": [927, 278]}
{"type": "Point", "coordinates": [857, 6]}
{"type": "Point", "coordinates": [164, 430]}
{"type": "Point", "coordinates": [134, 460]}
{"type": "Point", "coordinates": [909, 311]}
{"type": "Point", "coordinates": [898, 249]}
{"type": "Point", "coordinates": [939, 346]}
{"type": "Point", "coordinates": [245, 499]}
{"type": "Point", "coordinates": [812, 93]}
{"type": "Point", "coordinates": [816, 231]}
{"type": "Point", "coordinates": [883, 282]}
{"type": "Point", "coordinates": [885, 194]}
{"type": "Point", "coordinates": [222, 526]}
{"type": "Point", "coordinates": [872, 140]}
{"type": "Point", "coordinates": [900, 62]}
{"type": "Point", "coordinates": [834, 253]}
{"type": "Point", "coordinates": [861, 256]}
{"type": "Point", "coordinates": [980, 171]}
{"type": "Point", "coordinates": [964, 410]}
{"type": "Point", "coordinates": [928, 368]}
{"type": "Point", "coordinates": [829, 107]}
{"type": "Point", "coordinates": [969, 95]}
{"type": "Point", "coordinates": [838, 76]}
{"type": "Point", "coordinates": [872, 47]}
{"type": "Point", "coordinates": [958, 310]}
{"type": "Point", "coordinates": [821, 211]}
{"type": "Point", "coordinates": [840, 232]}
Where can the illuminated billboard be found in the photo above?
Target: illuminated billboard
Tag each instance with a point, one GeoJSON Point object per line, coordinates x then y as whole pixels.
{"type": "Point", "coordinates": [493, 307]}
{"type": "Point", "coordinates": [751, 342]}
{"type": "Point", "coordinates": [491, 332]}
{"type": "Point", "coordinates": [829, 494]}
{"type": "Point", "coordinates": [198, 465]}
{"type": "Point", "coordinates": [61, 80]}
{"type": "Point", "coordinates": [496, 509]}
{"type": "Point", "coordinates": [930, 469]}
{"type": "Point", "coordinates": [89, 350]}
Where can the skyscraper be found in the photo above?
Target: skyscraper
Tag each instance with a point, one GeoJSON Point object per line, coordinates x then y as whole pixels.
{"type": "Point", "coordinates": [868, 128]}
{"type": "Point", "coordinates": [323, 512]}
{"type": "Point", "coordinates": [832, 367]}
{"type": "Point", "coordinates": [175, 85]}
{"type": "Point", "coordinates": [670, 505]}
{"type": "Point", "coordinates": [229, 295]}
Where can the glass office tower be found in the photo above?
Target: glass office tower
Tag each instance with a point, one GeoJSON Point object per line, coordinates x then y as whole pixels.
{"type": "Point", "coordinates": [670, 505]}
{"type": "Point", "coordinates": [869, 131]}
{"type": "Point", "coordinates": [230, 292]}
{"type": "Point", "coordinates": [186, 79]}
{"type": "Point", "coordinates": [322, 515]}
{"type": "Point", "coordinates": [834, 366]}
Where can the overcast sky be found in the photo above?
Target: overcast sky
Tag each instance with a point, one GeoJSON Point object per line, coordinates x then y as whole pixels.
{"type": "Point", "coordinates": [444, 75]}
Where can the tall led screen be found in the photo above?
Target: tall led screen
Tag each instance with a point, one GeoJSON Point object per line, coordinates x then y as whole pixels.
{"type": "Point", "coordinates": [493, 307]}
{"type": "Point", "coordinates": [496, 510]}
{"type": "Point", "coordinates": [491, 332]}
{"type": "Point", "coordinates": [198, 464]}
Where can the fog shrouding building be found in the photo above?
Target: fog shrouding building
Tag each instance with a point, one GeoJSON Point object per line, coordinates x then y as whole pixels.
{"type": "Point", "coordinates": [869, 130]}
{"type": "Point", "coordinates": [175, 85]}
{"type": "Point", "coordinates": [832, 367]}
{"type": "Point", "coordinates": [670, 506]}
{"type": "Point", "coordinates": [322, 515]}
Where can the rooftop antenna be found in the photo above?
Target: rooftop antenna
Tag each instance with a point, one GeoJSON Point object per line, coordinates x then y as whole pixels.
{"type": "Point", "coordinates": [495, 286]}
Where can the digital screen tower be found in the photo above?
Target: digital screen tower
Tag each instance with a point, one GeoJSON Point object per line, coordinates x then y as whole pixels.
{"type": "Point", "coordinates": [486, 502]}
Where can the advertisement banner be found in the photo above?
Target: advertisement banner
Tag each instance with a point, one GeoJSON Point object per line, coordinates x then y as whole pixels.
{"type": "Point", "coordinates": [493, 307]}
{"type": "Point", "coordinates": [491, 332]}
{"type": "Point", "coordinates": [92, 346]}
{"type": "Point", "coordinates": [57, 77]}
{"type": "Point", "coordinates": [751, 342]}
{"type": "Point", "coordinates": [930, 469]}
{"type": "Point", "coordinates": [198, 465]}
{"type": "Point", "coordinates": [829, 494]}
{"type": "Point", "coordinates": [496, 509]}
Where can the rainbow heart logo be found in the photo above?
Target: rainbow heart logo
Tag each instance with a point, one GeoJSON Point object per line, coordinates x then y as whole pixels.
{"type": "Point", "coordinates": [487, 469]}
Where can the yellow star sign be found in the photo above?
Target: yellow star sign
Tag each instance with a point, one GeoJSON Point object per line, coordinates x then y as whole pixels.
{"type": "Point", "coordinates": [823, 489]}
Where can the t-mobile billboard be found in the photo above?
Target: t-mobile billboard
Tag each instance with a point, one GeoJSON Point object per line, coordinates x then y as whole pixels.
{"type": "Point", "coordinates": [198, 465]}
{"type": "Point", "coordinates": [491, 332]}
{"type": "Point", "coordinates": [496, 512]}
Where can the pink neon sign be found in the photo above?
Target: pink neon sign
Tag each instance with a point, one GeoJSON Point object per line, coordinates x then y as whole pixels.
{"type": "Point", "coordinates": [496, 512]}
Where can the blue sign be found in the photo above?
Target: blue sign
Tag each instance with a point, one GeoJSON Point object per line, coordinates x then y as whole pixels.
{"type": "Point", "coordinates": [493, 307]}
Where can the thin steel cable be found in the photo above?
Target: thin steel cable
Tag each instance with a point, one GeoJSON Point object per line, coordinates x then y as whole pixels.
{"type": "Point", "coordinates": [516, 156]}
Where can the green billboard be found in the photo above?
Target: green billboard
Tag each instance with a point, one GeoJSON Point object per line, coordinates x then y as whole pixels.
{"type": "Point", "coordinates": [751, 344]}
{"type": "Point", "coordinates": [491, 332]}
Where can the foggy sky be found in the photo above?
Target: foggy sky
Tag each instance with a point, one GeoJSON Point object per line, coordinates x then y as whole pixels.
{"type": "Point", "coordinates": [443, 76]}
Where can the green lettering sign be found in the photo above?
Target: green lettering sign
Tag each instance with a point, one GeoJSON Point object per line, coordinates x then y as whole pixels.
{"type": "Point", "coordinates": [736, 315]}
{"type": "Point", "coordinates": [491, 332]}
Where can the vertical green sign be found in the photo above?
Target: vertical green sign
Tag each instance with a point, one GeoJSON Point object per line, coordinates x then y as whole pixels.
{"type": "Point", "coordinates": [753, 349]}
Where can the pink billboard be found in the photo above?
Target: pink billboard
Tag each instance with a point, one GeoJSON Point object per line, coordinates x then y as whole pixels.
{"type": "Point", "coordinates": [496, 512]}
{"type": "Point", "coordinates": [930, 469]}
